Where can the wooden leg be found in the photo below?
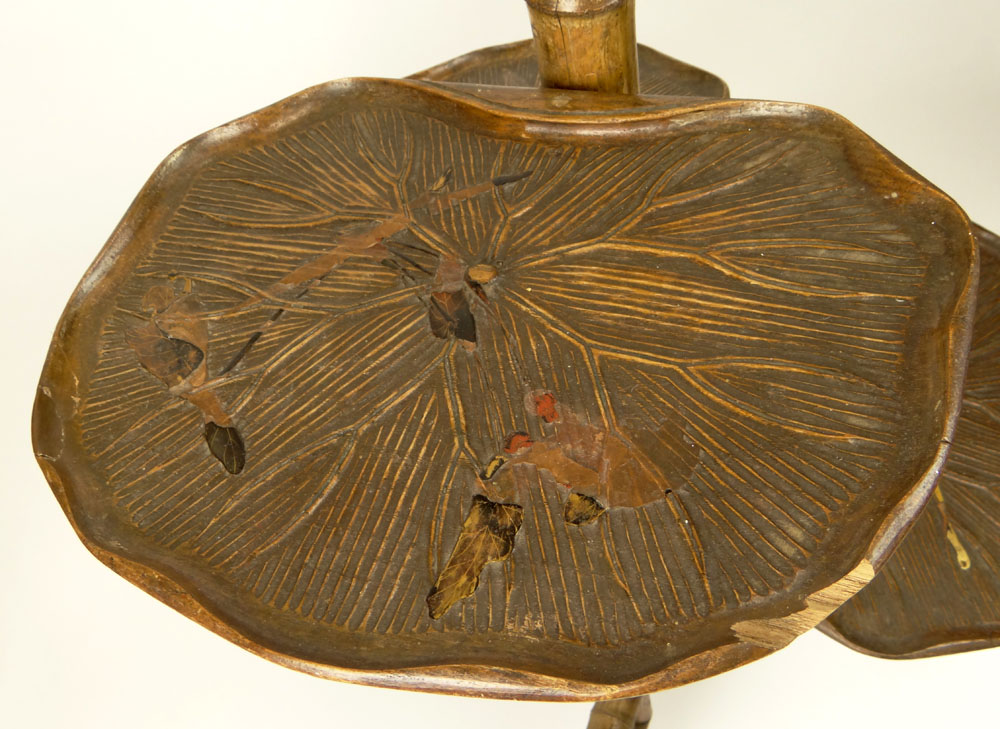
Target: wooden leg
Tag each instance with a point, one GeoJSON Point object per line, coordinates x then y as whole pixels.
{"type": "Point", "coordinates": [633, 713]}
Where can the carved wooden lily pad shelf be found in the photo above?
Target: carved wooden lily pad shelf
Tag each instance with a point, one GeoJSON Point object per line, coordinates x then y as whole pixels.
{"type": "Point", "coordinates": [935, 595]}
{"type": "Point", "coordinates": [518, 392]}
{"type": "Point", "coordinates": [516, 64]}
{"type": "Point", "coordinates": [940, 591]}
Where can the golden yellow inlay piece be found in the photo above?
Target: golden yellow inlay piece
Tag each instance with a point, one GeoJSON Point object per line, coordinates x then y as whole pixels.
{"type": "Point", "coordinates": [960, 554]}
{"type": "Point", "coordinates": [482, 273]}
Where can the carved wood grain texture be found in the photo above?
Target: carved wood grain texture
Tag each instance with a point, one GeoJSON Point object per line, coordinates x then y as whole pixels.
{"type": "Point", "coordinates": [516, 64]}
{"type": "Point", "coordinates": [723, 325]}
{"type": "Point", "coordinates": [940, 590]}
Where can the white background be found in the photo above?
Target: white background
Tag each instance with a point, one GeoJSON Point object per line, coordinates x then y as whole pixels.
{"type": "Point", "coordinates": [93, 94]}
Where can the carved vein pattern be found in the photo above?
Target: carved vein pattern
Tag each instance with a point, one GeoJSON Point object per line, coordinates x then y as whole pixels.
{"type": "Point", "coordinates": [719, 319]}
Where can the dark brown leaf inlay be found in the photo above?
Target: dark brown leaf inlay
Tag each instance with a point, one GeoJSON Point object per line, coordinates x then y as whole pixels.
{"type": "Point", "coordinates": [582, 509]}
{"type": "Point", "coordinates": [450, 316]}
{"type": "Point", "coordinates": [512, 178]}
{"type": "Point", "coordinates": [171, 360]}
{"type": "Point", "coordinates": [487, 536]}
{"type": "Point", "coordinates": [226, 445]}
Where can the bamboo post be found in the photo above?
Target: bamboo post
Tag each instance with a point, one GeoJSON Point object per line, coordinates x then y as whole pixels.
{"type": "Point", "coordinates": [589, 45]}
{"type": "Point", "coordinates": [634, 713]}
{"type": "Point", "coordinates": [586, 44]}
